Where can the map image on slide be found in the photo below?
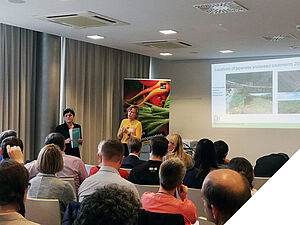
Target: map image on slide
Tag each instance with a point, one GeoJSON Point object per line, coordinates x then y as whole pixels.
{"type": "Point", "coordinates": [289, 92]}
{"type": "Point", "coordinates": [249, 93]}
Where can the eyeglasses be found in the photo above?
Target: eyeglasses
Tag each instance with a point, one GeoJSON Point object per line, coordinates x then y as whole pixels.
{"type": "Point", "coordinates": [131, 111]}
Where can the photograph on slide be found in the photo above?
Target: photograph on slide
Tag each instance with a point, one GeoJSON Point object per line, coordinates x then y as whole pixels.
{"type": "Point", "coordinates": [249, 93]}
{"type": "Point", "coordinates": [288, 95]}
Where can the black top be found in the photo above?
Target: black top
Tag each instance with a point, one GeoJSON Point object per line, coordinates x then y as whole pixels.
{"type": "Point", "coordinates": [64, 130]}
{"type": "Point", "coordinates": [192, 179]}
{"type": "Point", "coordinates": [268, 165]}
{"type": "Point", "coordinates": [145, 173]}
{"type": "Point", "coordinates": [131, 161]}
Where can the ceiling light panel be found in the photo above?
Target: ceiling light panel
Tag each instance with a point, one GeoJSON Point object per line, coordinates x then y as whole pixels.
{"type": "Point", "coordinates": [165, 54]}
{"type": "Point", "coordinates": [221, 7]}
{"type": "Point", "coordinates": [226, 51]}
{"type": "Point", "coordinates": [95, 37]}
{"type": "Point", "coordinates": [167, 32]}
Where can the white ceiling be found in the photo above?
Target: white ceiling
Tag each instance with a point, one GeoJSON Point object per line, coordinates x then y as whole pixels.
{"type": "Point", "coordinates": [241, 32]}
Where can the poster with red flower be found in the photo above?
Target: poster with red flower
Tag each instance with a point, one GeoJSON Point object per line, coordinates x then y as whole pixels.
{"type": "Point", "coordinates": [153, 99]}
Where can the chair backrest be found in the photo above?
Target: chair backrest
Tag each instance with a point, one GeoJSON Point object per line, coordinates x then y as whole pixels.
{"type": "Point", "coordinates": [195, 196]}
{"type": "Point", "coordinates": [151, 218]}
{"type": "Point", "coordinates": [43, 211]}
{"type": "Point", "coordinates": [146, 188]}
{"type": "Point", "coordinates": [258, 182]}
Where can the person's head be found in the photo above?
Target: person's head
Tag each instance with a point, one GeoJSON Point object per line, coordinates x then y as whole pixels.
{"type": "Point", "coordinates": [175, 143]}
{"type": "Point", "coordinates": [133, 112]}
{"type": "Point", "coordinates": [224, 192]}
{"type": "Point", "coordinates": [171, 173]}
{"type": "Point", "coordinates": [243, 166]}
{"type": "Point", "coordinates": [159, 146]}
{"type": "Point", "coordinates": [14, 184]}
{"type": "Point", "coordinates": [57, 139]}
{"type": "Point", "coordinates": [110, 205]}
{"type": "Point", "coordinates": [50, 160]}
{"type": "Point", "coordinates": [12, 141]}
{"type": "Point", "coordinates": [68, 115]}
{"type": "Point", "coordinates": [205, 155]}
{"type": "Point", "coordinates": [221, 151]}
{"type": "Point", "coordinates": [111, 151]}
{"type": "Point", "coordinates": [134, 145]}
{"type": "Point", "coordinates": [7, 133]}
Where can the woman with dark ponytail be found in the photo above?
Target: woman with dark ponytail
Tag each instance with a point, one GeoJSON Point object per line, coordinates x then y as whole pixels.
{"type": "Point", "coordinates": [205, 161]}
{"type": "Point", "coordinates": [13, 189]}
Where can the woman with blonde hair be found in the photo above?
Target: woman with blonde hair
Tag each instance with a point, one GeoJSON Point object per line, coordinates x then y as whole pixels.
{"type": "Point", "coordinates": [45, 184]}
{"type": "Point", "coordinates": [175, 149]}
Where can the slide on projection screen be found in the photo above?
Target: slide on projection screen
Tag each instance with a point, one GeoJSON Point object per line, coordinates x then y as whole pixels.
{"type": "Point", "coordinates": [256, 94]}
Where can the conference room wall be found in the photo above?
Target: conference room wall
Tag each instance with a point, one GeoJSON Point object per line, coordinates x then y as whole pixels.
{"type": "Point", "coordinates": [190, 111]}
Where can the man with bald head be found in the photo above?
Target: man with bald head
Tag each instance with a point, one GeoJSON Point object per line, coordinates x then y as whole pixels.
{"type": "Point", "coordinates": [224, 192]}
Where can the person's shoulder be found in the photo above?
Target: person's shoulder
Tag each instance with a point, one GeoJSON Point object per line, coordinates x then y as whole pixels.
{"type": "Point", "coordinates": [76, 125]}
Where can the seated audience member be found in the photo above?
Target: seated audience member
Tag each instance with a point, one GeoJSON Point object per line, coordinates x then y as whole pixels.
{"type": "Point", "coordinates": [13, 189]}
{"type": "Point", "coordinates": [109, 205]}
{"type": "Point", "coordinates": [171, 174]}
{"type": "Point", "coordinates": [45, 184]}
{"type": "Point", "coordinates": [268, 165]}
{"type": "Point", "coordinates": [175, 149]}
{"type": "Point", "coordinates": [147, 172]}
{"type": "Point", "coordinates": [73, 166]}
{"type": "Point", "coordinates": [95, 169]}
{"type": "Point", "coordinates": [133, 159]}
{"type": "Point", "coordinates": [11, 141]}
{"type": "Point", "coordinates": [5, 134]}
{"type": "Point", "coordinates": [204, 162]}
{"type": "Point", "coordinates": [111, 156]}
{"type": "Point", "coordinates": [224, 192]}
{"type": "Point", "coordinates": [221, 149]}
{"type": "Point", "coordinates": [244, 167]}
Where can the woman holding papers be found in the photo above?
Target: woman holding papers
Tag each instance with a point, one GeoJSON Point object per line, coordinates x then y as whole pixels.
{"type": "Point", "coordinates": [72, 133]}
{"type": "Point", "coordinates": [130, 127]}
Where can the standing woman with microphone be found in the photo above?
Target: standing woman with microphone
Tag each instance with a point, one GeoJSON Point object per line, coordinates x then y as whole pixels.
{"type": "Point", "coordinates": [67, 129]}
{"type": "Point", "coordinates": [130, 127]}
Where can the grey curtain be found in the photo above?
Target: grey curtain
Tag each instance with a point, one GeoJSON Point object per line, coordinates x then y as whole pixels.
{"type": "Point", "coordinates": [94, 89]}
{"type": "Point", "coordinates": [18, 83]}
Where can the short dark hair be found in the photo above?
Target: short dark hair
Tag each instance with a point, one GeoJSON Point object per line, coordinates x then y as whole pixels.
{"type": "Point", "coordinates": [7, 133]}
{"type": "Point", "coordinates": [57, 139]}
{"type": "Point", "coordinates": [111, 150]}
{"type": "Point", "coordinates": [50, 160]}
{"type": "Point", "coordinates": [14, 181]}
{"type": "Point", "coordinates": [171, 173]}
{"type": "Point", "coordinates": [134, 144]}
{"type": "Point", "coordinates": [221, 150]}
{"type": "Point", "coordinates": [159, 146]}
{"type": "Point", "coordinates": [243, 166]}
{"type": "Point", "coordinates": [12, 141]}
{"type": "Point", "coordinates": [227, 201]}
{"type": "Point", "coordinates": [68, 110]}
{"type": "Point", "coordinates": [110, 205]}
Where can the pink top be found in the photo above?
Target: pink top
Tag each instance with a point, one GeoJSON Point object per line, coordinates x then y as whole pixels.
{"type": "Point", "coordinates": [73, 167]}
{"type": "Point", "coordinates": [164, 203]}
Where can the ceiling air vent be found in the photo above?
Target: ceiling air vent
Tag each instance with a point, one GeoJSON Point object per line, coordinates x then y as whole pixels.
{"type": "Point", "coordinates": [279, 37]}
{"type": "Point", "coordinates": [164, 44]}
{"type": "Point", "coordinates": [82, 19]}
{"type": "Point", "coordinates": [221, 7]}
